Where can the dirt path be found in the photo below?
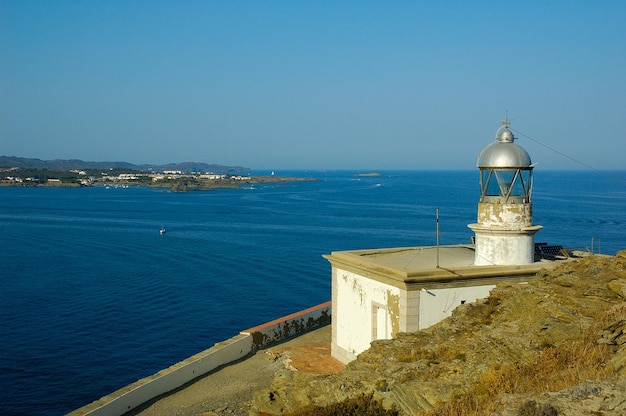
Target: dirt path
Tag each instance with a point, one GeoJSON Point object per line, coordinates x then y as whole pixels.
{"type": "Point", "coordinates": [226, 390]}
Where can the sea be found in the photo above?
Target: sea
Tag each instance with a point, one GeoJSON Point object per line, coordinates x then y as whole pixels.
{"type": "Point", "coordinates": [93, 297]}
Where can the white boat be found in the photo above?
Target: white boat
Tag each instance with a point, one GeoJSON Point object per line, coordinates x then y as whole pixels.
{"type": "Point", "coordinates": [162, 231]}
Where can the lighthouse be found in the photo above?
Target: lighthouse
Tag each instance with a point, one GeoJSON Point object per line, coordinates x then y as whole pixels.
{"type": "Point", "coordinates": [504, 231]}
{"type": "Point", "coordinates": [380, 292]}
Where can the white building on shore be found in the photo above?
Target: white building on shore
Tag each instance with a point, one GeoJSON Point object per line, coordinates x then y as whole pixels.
{"type": "Point", "coordinates": [378, 293]}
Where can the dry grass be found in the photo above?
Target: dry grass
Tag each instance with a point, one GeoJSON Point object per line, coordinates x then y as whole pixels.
{"type": "Point", "coordinates": [362, 405]}
{"type": "Point", "coordinates": [554, 369]}
{"type": "Point", "coordinates": [443, 352]}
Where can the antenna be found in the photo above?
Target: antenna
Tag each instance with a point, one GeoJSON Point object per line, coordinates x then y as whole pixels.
{"type": "Point", "coordinates": [506, 122]}
{"type": "Point", "coordinates": [437, 233]}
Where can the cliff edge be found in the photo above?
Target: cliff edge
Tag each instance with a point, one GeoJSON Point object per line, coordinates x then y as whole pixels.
{"type": "Point", "coordinates": [554, 346]}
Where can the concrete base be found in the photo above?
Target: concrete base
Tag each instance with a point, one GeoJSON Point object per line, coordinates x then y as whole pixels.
{"type": "Point", "coordinates": [498, 246]}
{"type": "Point", "coordinates": [340, 354]}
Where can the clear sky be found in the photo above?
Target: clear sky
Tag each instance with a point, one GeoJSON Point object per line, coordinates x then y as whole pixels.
{"type": "Point", "coordinates": [313, 84]}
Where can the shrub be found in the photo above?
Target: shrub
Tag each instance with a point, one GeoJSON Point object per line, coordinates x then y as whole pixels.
{"type": "Point", "coordinates": [362, 405]}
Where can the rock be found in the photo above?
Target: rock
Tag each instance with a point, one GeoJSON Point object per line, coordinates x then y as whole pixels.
{"type": "Point", "coordinates": [591, 397]}
{"type": "Point", "coordinates": [527, 327]}
{"type": "Point", "coordinates": [614, 334]}
{"type": "Point", "coordinates": [618, 286]}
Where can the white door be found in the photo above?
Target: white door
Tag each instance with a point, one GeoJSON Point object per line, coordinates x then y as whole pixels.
{"type": "Point", "coordinates": [380, 323]}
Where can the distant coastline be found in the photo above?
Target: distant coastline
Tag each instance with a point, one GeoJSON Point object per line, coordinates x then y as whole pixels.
{"type": "Point", "coordinates": [77, 164]}
{"type": "Point", "coordinates": [179, 177]}
{"type": "Point", "coordinates": [183, 183]}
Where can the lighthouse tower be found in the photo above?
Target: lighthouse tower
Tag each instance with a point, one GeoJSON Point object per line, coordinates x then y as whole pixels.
{"type": "Point", "coordinates": [504, 232]}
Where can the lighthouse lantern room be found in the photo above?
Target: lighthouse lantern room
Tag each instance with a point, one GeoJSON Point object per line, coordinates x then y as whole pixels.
{"type": "Point", "coordinates": [504, 230]}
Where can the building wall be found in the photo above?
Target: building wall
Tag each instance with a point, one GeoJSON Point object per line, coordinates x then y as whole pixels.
{"type": "Point", "coordinates": [437, 304]}
{"type": "Point", "coordinates": [409, 310]}
{"type": "Point", "coordinates": [505, 215]}
{"type": "Point", "coordinates": [504, 234]}
{"type": "Point", "coordinates": [504, 248]}
{"type": "Point", "coordinates": [363, 310]}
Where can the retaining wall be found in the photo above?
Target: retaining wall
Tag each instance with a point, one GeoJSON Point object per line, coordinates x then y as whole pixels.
{"type": "Point", "coordinates": [290, 325]}
{"type": "Point", "coordinates": [237, 347]}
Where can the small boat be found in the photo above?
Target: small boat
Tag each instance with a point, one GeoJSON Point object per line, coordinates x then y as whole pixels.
{"type": "Point", "coordinates": [162, 230]}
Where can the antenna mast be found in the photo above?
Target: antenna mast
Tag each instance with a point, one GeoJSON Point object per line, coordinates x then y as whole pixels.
{"type": "Point", "coordinates": [437, 220]}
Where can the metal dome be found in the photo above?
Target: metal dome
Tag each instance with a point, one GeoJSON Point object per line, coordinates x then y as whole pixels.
{"type": "Point", "coordinates": [503, 153]}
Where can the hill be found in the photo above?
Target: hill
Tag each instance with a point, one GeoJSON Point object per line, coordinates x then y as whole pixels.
{"type": "Point", "coordinates": [68, 164]}
{"type": "Point", "coordinates": [554, 346]}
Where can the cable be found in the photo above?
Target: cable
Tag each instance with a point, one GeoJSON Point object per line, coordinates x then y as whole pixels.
{"type": "Point", "coordinates": [569, 157]}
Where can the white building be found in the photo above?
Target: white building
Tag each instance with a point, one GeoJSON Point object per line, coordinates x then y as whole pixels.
{"type": "Point", "coordinates": [505, 231]}
{"type": "Point", "coordinates": [211, 176]}
{"type": "Point", "coordinates": [380, 292]}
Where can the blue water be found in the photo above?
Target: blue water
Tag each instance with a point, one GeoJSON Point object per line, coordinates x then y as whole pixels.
{"type": "Point", "coordinates": [93, 298]}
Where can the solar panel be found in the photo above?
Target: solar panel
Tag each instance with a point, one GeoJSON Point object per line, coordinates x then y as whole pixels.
{"type": "Point", "coordinates": [550, 251]}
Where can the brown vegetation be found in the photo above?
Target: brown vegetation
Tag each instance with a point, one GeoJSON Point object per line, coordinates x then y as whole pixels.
{"type": "Point", "coordinates": [556, 345]}
{"type": "Point", "coordinates": [362, 405]}
{"type": "Point", "coordinates": [556, 368]}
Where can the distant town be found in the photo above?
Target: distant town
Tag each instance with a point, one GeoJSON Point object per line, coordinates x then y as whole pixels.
{"type": "Point", "coordinates": [54, 175]}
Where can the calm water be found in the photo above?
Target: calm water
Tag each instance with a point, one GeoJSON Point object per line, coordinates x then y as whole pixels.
{"type": "Point", "coordinates": [93, 298]}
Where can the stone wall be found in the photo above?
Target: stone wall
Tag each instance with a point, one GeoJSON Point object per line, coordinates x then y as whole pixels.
{"type": "Point", "coordinates": [232, 349]}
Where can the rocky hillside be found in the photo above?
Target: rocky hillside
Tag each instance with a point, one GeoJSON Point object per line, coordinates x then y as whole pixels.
{"type": "Point", "coordinates": [554, 346]}
{"type": "Point", "coordinates": [68, 164]}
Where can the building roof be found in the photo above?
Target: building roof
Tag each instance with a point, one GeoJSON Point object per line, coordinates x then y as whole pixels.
{"type": "Point", "coordinates": [503, 153]}
{"type": "Point", "coordinates": [407, 266]}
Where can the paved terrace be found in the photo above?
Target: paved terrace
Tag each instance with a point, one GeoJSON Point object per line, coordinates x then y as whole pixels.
{"type": "Point", "coordinates": [226, 389]}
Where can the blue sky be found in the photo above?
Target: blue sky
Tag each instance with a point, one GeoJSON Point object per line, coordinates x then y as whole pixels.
{"type": "Point", "coordinates": [313, 84]}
